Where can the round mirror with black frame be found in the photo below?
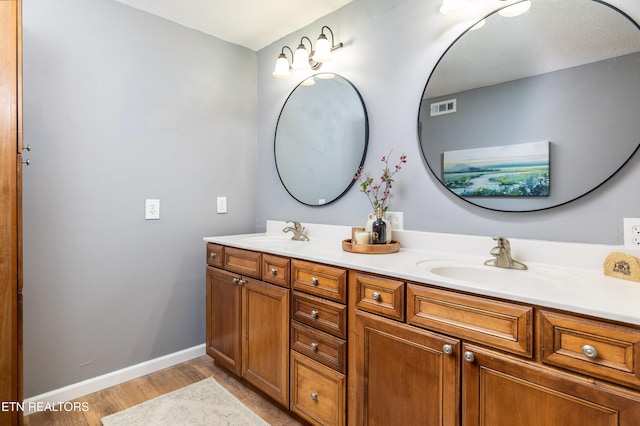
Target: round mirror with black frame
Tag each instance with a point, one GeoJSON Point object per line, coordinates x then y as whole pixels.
{"type": "Point", "coordinates": [531, 112]}
{"type": "Point", "coordinates": [321, 139]}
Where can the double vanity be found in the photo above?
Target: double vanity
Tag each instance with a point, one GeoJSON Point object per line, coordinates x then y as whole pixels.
{"type": "Point", "coordinates": [429, 332]}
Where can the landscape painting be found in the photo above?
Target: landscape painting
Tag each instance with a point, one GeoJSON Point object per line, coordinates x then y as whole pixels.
{"type": "Point", "coordinates": [520, 170]}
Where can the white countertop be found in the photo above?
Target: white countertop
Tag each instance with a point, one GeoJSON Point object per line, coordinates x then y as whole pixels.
{"type": "Point", "coordinates": [581, 285]}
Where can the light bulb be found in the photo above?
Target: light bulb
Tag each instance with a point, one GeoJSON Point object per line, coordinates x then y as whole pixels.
{"type": "Point", "coordinates": [301, 58]}
{"type": "Point", "coordinates": [323, 49]}
{"type": "Point", "coordinates": [282, 67]}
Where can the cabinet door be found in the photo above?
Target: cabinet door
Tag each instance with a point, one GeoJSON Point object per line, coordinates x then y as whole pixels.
{"type": "Point", "coordinates": [265, 338]}
{"type": "Point", "coordinates": [10, 210]}
{"type": "Point", "coordinates": [500, 390]}
{"type": "Point", "coordinates": [223, 319]}
{"type": "Point", "coordinates": [403, 375]}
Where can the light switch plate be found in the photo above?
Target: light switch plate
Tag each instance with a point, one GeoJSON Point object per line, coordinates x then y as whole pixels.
{"type": "Point", "coordinates": [221, 205]}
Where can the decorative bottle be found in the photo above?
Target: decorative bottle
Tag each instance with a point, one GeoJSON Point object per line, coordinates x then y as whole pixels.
{"type": "Point", "coordinates": [379, 228]}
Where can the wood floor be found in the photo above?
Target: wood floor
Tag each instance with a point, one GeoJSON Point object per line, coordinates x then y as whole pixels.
{"type": "Point", "coordinates": [125, 395]}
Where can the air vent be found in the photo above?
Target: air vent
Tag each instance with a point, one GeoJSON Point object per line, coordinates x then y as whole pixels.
{"type": "Point", "coordinates": [444, 107]}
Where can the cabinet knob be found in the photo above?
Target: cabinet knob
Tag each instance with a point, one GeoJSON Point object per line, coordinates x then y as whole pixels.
{"type": "Point", "coordinates": [213, 255]}
{"type": "Point", "coordinates": [235, 281]}
{"type": "Point", "coordinates": [314, 347]}
{"type": "Point", "coordinates": [314, 281]}
{"type": "Point", "coordinates": [314, 396]}
{"type": "Point", "coordinates": [273, 271]}
{"type": "Point", "coordinates": [469, 356]}
{"type": "Point", "coordinates": [314, 314]}
{"type": "Point", "coordinates": [241, 282]}
{"type": "Point", "coordinates": [376, 296]}
{"type": "Point", "coordinates": [26, 162]}
{"type": "Point", "coordinates": [447, 349]}
{"type": "Point", "coordinates": [590, 352]}
{"type": "Point", "coordinates": [27, 148]}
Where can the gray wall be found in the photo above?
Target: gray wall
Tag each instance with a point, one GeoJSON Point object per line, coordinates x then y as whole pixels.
{"type": "Point", "coordinates": [390, 49]}
{"type": "Point", "coordinates": [120, 106]}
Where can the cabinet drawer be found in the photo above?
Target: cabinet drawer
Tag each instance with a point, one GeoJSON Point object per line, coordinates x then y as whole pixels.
{"type": "Point", "coordinates": [597, 348]}
{"type": "Point", "coordinates": [215, 255]}
{"type": "Point", "coordinates": [276, 270]}
{"type": "Point", "coordinates": [321, 346]}
{"type": "Point", "coordinates": [318, 393]}
{"type": "Point", "coordinates": [378, 295]}
{"type": "Point", "coordinates": [321, 280]}
{"type": "Point", "coordinates": [502, 325]}
{"type": "Point", "coordinates": [244, 262]}
{"type": "Point", "coordinates": [320, 313]}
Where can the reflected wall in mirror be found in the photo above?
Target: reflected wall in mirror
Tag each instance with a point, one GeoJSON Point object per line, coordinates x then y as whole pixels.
{"type": "Point", "coordinates": [321, 139]}
{"type": "Point", "coordinates": [566, 72]}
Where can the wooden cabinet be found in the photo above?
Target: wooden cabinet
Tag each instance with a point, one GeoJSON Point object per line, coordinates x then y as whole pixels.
{"type": "Point", "coordinates": [404, 375]}
{"type": "Point", "coordinates": [366, 349]}
{"type": "Point", "coordinates": [503, 325]}
{"type": "Point", "coordinates": [10, 208]}
{"type": "Point", "coordinates": [322, 280]}
{"type": "Point", "coordinates": [248, 325]}
{"type": "Point", "coordinates": [432, 366]}
{"type": "Point", "coordinates": [318, 393]}
{"type": "Point", "coordinates": [597, 348]}
{"type": "Point", "coordinates": [501, 390]}
{"type": "Point", "coordinates": [318, 345]}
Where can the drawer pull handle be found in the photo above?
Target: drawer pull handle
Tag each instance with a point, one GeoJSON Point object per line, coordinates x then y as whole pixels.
{"type": "Point", "coordinates": [447, 349]}
{"type": "Point", "coordinates": [376, 296]}
{"type": "Point", "coordinates": [314, 281]}
{"type": "Point", "coordinates": [273, 271]}
{"type": "Point", "coordinates": [469, 356]}
{"type": "Point", "coordinates": [314, 347]}
{"type": "Point", "coordinates": [590, 352]}
{"type": "Point", "coordinates": [213, 255]}
{"type": "Point", "coordinates": [314, 396]}
{"type": "Point", "coordinates": [314, 314]}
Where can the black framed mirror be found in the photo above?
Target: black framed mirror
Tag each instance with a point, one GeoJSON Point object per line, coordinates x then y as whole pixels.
{"type": "Point", "coordinates": [321, 139]}
{"type": "Point", "coordinates": [558, 85]}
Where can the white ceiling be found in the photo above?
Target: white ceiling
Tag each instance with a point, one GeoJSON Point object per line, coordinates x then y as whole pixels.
{"type": "Point", "coordinates": [249, 23]}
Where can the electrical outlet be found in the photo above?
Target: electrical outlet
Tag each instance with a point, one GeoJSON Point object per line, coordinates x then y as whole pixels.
{"type": "Point", "coordinates": [632, 232]}
{"type": "Point", "coordinates": [395, 220]}
{"type": "Point", "coordinates": [151, 209]}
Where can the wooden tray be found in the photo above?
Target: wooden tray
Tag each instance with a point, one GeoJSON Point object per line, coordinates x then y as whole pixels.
{"type": "Point", "coordinates": [391, 247]}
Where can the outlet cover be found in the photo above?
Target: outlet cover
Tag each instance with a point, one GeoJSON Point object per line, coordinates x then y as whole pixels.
{"type": "Point", "coordinates": [395, 220]}
{"type": "Point", "coordinates": [632, 232]}
{"type": "Point", "coordinates": [151, 209]}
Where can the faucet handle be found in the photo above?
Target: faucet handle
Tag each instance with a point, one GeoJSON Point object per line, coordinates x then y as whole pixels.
{"type": "Point", "coordinates": [502, 242]}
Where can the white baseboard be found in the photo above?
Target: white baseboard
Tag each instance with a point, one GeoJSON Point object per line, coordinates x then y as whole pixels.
{"type": "Point", "coordinates": [77, 390]}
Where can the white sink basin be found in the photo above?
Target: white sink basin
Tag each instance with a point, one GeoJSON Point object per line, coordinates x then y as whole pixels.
{"type": "Point", "coordinates": [479, 273]}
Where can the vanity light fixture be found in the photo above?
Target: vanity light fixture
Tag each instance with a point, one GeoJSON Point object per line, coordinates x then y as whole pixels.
{"type": "Point", "coordinates": [304, 59]}
{"type": "Point", "coordinates": [282, 64]}
{"type": "Point", "coordinates": [453, 6]}
{"type": "Point", "coordinates": [515, 9]}
{"type": "Point", "coordinates": [301, 60]}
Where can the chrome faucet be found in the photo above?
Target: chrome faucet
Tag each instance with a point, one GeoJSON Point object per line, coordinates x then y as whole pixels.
{"type": "Point", "coordinates": [502, 253]}
{"type": "Point", "coordinates": [298, 231]}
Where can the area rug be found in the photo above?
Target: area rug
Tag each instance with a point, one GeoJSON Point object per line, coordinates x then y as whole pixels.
{"type": "Point", "coordinates": [203, 403]}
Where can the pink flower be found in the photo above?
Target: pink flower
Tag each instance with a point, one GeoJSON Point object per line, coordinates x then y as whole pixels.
{"type": "Point", "coordinates": [386, 179]}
